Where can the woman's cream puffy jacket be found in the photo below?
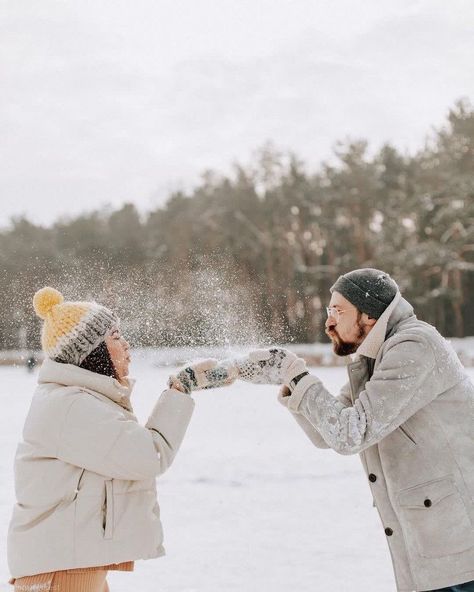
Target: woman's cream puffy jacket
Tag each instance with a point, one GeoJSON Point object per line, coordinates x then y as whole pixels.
{"type": "Point", "coordinates": [85, 473]}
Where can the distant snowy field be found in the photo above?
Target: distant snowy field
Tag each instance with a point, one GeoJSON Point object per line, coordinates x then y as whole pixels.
{"type": "Point", "coordinates": [249, 504]}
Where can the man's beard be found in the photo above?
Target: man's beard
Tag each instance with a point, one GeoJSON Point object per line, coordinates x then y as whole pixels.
{"type": "Point", "coordinates": [345, 348]}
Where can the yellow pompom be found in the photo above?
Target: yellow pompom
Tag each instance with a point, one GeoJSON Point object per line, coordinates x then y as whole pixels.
{"type": "Point", "coordinates": [45, 299]}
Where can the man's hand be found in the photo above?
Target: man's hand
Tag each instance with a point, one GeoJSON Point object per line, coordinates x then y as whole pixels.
{"type": "Point", "coordinates": [203, 375]}
{"type": "Point", "coordinates": [270, 366]}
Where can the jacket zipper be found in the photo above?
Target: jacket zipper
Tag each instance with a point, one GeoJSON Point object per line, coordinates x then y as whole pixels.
{"type": "Point", "coordinates": [76, 491]}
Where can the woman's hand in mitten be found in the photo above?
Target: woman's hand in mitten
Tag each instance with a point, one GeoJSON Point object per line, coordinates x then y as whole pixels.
{"type": "Point", "coordinates": [203, 375]}
{"type": "Point", "coordinates": [270, 366]}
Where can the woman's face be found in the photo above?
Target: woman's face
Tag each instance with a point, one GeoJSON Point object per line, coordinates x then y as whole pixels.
{"type": "Point", "coordinates": [119, 351]}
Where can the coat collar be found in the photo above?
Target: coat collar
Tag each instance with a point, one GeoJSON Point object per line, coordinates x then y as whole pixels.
{"type": "Point", "coordinates": [71, 375]}
{"type": "Point", "coordinates": [396, 311]}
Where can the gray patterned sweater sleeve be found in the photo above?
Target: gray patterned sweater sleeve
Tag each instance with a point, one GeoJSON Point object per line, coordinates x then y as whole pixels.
{"type": "Point", "coordinates": [402, 383]}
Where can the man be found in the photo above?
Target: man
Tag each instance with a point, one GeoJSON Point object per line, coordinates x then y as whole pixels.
{"type": "Point", "coordinates": [407, 410]}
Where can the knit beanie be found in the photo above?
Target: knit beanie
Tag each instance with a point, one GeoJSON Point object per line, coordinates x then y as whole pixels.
{"type": "Point", "coordinates": [369, 290]}
{"type": "Point", "coordinates": [71, 330]}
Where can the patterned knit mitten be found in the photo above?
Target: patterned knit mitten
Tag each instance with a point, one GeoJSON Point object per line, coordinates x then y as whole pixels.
{"type": "Point", "coordinates": [204, 375]}
{"type": "Point", "coordinates": [270, 366]}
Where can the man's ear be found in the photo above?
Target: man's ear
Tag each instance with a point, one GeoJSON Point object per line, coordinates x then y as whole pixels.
{"type": "Point", "coordinates": [369, 320]}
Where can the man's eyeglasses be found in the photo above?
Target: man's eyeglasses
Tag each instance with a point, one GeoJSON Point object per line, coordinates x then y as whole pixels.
{"type": "Point", "coordinates": [334, 312]}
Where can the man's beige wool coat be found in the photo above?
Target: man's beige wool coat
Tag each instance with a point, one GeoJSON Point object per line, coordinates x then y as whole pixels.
{"type": "Point", "coordinates": [408, 410]}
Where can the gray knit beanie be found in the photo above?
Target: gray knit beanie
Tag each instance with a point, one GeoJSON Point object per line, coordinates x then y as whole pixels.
{"type": "Point", "coordinates": [369, 290]}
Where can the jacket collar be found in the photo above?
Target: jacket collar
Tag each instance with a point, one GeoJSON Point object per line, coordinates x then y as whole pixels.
{"type": "Point", "coordinates": [396, 311]}
{"type": "Point", "coordinates": [71, 375]}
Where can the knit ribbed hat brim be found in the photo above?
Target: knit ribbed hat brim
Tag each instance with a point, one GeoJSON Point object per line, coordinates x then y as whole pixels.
{"type": "Point", "coordinates": [370, 290]}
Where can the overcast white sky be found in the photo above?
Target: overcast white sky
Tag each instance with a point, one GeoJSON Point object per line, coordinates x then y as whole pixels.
{"type": "Point", "coordinates": [127, 100]}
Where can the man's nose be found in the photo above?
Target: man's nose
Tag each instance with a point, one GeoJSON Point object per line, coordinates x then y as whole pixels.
{"type": "Point", "coordinates": [330, 323]}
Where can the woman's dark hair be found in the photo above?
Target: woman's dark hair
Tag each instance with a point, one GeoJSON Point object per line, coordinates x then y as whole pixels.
{"type": "Point", "coordinates": [98, 361]}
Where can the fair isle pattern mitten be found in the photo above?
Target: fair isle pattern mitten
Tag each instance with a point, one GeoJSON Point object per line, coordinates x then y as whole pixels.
{"type": "Point", "coordinates": [270, 366]}
{"type": "Point", "coordinates": [203, 375]}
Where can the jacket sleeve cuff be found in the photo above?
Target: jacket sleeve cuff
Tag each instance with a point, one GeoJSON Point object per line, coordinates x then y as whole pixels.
{"type": "Point", "coordinates": [284, 396]}
{"type": "Point", "coordinates": [299, 392]}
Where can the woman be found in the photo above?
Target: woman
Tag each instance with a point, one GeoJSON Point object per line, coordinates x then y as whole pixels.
{"type": "Point", "coordinates": [85, 470]}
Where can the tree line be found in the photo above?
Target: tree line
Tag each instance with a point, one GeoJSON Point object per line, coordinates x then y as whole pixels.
{"type": "Point", "coordinates": [250, 256]}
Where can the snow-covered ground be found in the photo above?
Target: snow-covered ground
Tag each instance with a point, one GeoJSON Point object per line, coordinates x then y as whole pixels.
{"type": "Point", "coordinates": [249, 504]}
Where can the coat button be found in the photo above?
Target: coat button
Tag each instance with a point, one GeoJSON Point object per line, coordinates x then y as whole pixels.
{"type": "Point", "coordinates": [427, 503]}
{"type": "Point", "coordinates": [372, 478]}
{"type": "Point", "coordinates": [388, 531]}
